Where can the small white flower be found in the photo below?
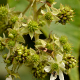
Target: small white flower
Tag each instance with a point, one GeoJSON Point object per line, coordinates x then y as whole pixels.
{"type": "Point", "coordinates": [59, 72]}
{"type": "Point", "coordinates": [9, 78]}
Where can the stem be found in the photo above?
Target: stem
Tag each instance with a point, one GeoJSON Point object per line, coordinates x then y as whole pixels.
{"type": "Point", "coordinates": [36, 37]}
{"type": "Point", "coordinates": [35, 18]}
{"type": "Point", "coordinates": [39, 10]}
{"type": "Point", "coordinates": [9, 53]}
{"type": "Point", "coordinates": [13, 78]}
{"type": "Point", "coordinates": [27, 8]}
{"type": "Point", "coordinates": [34, 11]}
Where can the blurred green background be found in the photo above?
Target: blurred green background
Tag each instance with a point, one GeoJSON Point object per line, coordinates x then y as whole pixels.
{"type": "Point", "coordinates": [71, 30]}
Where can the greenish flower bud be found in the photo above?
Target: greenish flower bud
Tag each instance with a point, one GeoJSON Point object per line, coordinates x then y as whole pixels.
{"type": "Point", "coordinates": [7, 61]}
{"type": "Point", "coordinates": [20, 53]}
{"type": "Point", "coordinates": [69, 61]}
{"type": "Point", "coordinates": [20, 59]}
{"type": "Point", "coordinates": [63, 39]}
{"type": "Point", "coordinates": [68, 55]}
{"type": "Point", "coordinates": [11, 36]}
{"type": "Point", "coordinates": [72, 59]}
{"type": "Point", "coordinates": [22, 47]}
{"type": "Point", "coordinates": [11, 43]}
{"type": "Point", "coordinates": [67, 47]}
{"type": "Point", "coordinates": [35, 58]}
{"type": "Point", "coordinates": [3, 12]}
{"type": "Point", "coordinates": [49, 16]}
{"type": "Point", "coordinates": [14, 19]}
{"type": "Point", "coordinates": [50, 46]}
{"type": "Point", "coordinates": [4, 56]}
{"type": "Point", "coordinates": [50, 1]}
{"type": "Point", "coordinates": [12, 33]}
{"type": "Point", "coordinates": [2, 47]}
{"type": "Point", "coordinates": [70, 65]}
{"type": "Point", "coordinates": [16, 58]}
{"type": "Point", "coordinates": [25, 54]}
{"type": "Point", "coordinates": [39, 72]}
{"type": "Point", "coordinates": [54, 66]}
{"type": "Point", "coordinates": [73, 64]}
{"type": "Point", "coordinates": [32, 26]}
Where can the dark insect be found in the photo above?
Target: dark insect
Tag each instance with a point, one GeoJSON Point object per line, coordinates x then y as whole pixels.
{"type": "Point", "coordinates": [54, 73]}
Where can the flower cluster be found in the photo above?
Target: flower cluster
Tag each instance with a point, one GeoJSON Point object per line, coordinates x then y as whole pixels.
{"type": "Point", "coordinates": [65, 14]}
{"type": "Point", "coordinates": [50, 55]}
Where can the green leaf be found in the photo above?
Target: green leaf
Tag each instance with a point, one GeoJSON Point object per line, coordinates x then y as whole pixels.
{"type": "Point", "coordinates": [19, 5]}
{"type": "Point", "coordinates": [38, 32]}
{"type": "Point", "coordinates": [23, 31]}
{"type": "Point", "coordinates": [9, 71]}
{"type": "Point", "coordinates": [15, 63]}
{"type": "Point", "coordinates": [20, 39]}
{"type": "Point", "coordinates": [16, 75]}
{"type": "Point", "coordinates": [32, 51]}
{"type": "Point", "coordinates": [31, 34]}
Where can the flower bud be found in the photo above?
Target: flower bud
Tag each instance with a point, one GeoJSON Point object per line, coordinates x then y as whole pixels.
{"type": "Point", "coordinates": [70, 65]}
{"type": "Point", "coordinates": [22, 47]}
{"type": "Point", "coordinates": [7, 61]}
{"type": "Point", "coordinates": [39, 72]}
{"type": "Point", "coordinates": [3, 12]}
{"type": "Point", "coordinates": [69, 61]}
{"type": "Point", "coordinates": [20, 51]}
{"type": "Point", "coordinates": [25, 54]}
{"type": "Point", "coordinates": [2, 47]}
{"type": "Point", "coordinates": [35, 58]}
{"type": "Point", "coordinates": [14, 19]}
{"type": "Point", "coordinates": [50, 46]}
{"type": "Point", "coordinates": [63, 39]}
{"type": "Point", "coordinates": [32, 26]}
{"type": "Point", "coordinates": [12, 34]}
{"type": "Point", "coordinates": [11, 43]}
{"type": "Point", "coordinates": [4, 56]}
{"type": "Point", "coordinates": [67, 47]}
{"type": "Point", "coordinates": [73, 64]}
{"type": "Point", "coordinates": [65, 15]}
{"type": "Point", "coordinates": [49, 16]}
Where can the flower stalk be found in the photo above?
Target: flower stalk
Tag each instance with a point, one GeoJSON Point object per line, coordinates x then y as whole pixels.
{"type": "Point", "coordinates": [27, 8]}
